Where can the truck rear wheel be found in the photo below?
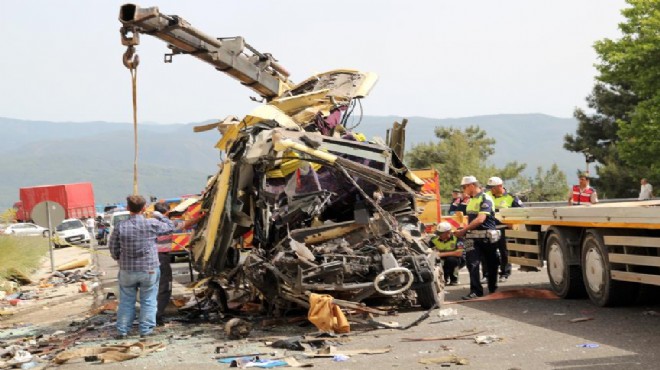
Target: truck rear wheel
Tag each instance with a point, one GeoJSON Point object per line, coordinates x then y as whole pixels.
{"type": "Point", "coordinates": [565, 279]}
{"type": "Point", "coordinates": [602, 290]}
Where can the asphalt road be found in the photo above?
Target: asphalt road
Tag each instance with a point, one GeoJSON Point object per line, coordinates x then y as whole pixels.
{"type": "Point", "coordinates": [531, 333]}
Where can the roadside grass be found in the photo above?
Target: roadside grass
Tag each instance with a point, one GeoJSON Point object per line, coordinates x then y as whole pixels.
{"type": "Point", "coordinates": [22, 254]}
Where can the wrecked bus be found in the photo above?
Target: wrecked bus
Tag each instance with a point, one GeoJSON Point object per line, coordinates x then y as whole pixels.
{"type": "Point", "coordinates": [328, 212]}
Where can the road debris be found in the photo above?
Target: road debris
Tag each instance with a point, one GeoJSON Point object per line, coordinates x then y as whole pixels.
{"type": "Point", "coordinates": [514, 293]}
{"type": "Point", "coordinates": [244, 362]}
{"type": "Point", "coordinates": [446, 312]}
{"type": "Point", "coordinates": [468, 335]}
{"type": "Point", "coordinates": [444, 360]}
{"type": "Point", "coordinates": [73, 264]}
{"type": "Point", "coordinates": [106, 354]}
{"type": "Point", "coordinates": [486, 339]}
{"type": "Point", "coordinates": [326, 315]}
{"type": "Point", "coordinates": [580, 319]}
{"type": "Point", "coordinates": [332, 351]}
{"type": "Point", "coordinates": [237, 328]}
{"type": "Point", "coordinates": [340, 358]}
{"type": "Point", "coordinates": [588, 345]}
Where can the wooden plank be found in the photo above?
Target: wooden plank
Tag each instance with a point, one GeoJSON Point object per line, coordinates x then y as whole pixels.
{"type": "Point", "coordinates": [522, 234]}
{"type": "Point", "coordinates": [635, 277]}
{"type": "Point", "coordinates": [527, 248]}
{"type": "Point", "coordinates": [632, 259]}
{"type": "Point", "coordinates": [525, 261]}
{"type": "Point", "coordinates": [632, 241]}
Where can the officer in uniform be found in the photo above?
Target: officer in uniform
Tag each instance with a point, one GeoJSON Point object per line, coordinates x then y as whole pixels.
{"type": "Point", "coordinates": [456, 199]}
{"type": "Point", "coordinates": [483, 232]}
{"type": "Point", "coordinates": [450, 249]}
{"type": "Point", "coordinates": [582, 193]}
{"type": "Point", "coordinates": [502, 199]}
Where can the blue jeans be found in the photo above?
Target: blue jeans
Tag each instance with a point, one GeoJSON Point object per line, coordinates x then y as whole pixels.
{"type": "Point", "coordinates": [129, 283]}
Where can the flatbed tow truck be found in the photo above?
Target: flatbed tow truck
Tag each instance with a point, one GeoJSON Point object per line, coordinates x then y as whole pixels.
{"type": "Point", "coordinates": [609, 251]}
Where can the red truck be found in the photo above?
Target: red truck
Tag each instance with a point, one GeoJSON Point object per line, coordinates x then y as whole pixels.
{"type": "Point", "coordinates": [76, 199]}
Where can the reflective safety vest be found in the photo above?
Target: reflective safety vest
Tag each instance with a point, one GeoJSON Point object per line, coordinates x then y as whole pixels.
{"type": "Point", "coordinates": [580, 196]}
{"type": "Point", "coordinates": [505, 200]}
{"type": "Point", "coordinates": [447, 246]}
{"type": "Point", "coordinates": [482, 203]}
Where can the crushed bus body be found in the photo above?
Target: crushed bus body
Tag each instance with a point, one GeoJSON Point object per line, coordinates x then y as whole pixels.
{"type": "Point", "coordinates": [327, 211]}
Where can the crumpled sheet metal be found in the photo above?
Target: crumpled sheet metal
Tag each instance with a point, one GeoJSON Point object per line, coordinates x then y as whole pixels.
{"type": "Point", "coordinates": [300, 195]}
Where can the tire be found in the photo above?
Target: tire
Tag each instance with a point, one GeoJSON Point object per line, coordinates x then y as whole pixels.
{"type": "Point", "coordinates": [596, 270]}
{"type": "Point", "coordinates": [565, 279]}
{"type": "Point", "coordinates": [45, 234]}
{"type": "Point", "coordinates": [428, 293]}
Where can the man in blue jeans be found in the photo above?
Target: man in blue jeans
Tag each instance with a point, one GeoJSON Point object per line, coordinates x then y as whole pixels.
{"type": "Point", "coordinates": [133, 245]}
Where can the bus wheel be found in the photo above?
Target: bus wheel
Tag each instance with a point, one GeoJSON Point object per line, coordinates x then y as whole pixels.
{"type": "Point", "coordinates": [565, 279]}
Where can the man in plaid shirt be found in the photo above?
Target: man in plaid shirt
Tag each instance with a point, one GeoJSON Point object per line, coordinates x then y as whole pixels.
{"type": "Point", "coordinates": [133, 245]}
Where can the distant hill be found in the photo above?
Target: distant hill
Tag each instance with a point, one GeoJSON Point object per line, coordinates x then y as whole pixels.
{"type": "Point", "coordinates": [534, 139]}
{"type": "Point", "coordinates": [175, 161]}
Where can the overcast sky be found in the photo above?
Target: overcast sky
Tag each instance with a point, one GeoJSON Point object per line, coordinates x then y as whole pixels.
{"type": "Point", "coordinates": [61, 60]}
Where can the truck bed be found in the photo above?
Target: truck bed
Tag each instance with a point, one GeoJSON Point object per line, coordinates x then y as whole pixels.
{"type": "Point", "coordinates": [643, 214]}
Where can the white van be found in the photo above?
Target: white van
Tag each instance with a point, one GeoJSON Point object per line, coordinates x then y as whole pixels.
{"type": "Point", "coordinates": [113, 220]}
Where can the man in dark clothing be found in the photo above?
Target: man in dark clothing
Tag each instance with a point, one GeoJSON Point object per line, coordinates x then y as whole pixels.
{"type": "Point", "coordinates": [482, 225]}
{"type": "Point", "coordinates": [164, 244]}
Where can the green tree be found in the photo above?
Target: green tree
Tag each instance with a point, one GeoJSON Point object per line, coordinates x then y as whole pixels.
{"type": "Point", "coordinates": [459, 153]}
{"type": "Point", "coordinates": [622, 132]}
{"type": "Point", "coordinates": [545, 187]}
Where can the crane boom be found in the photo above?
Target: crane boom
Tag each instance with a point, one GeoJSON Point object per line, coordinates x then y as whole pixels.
{"type": "Point", "coordinates": [233, 56]}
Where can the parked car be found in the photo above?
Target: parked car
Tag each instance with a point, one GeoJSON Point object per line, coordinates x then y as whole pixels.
{"type": "Point", "coordinates": [113, 220]}
{"type": "Point", "coordinates": [71, 231]}
{"type": "Point", "coordinates": [25, 229]}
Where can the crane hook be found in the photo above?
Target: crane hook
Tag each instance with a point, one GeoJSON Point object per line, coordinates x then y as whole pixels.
{"type": "Point", "coordinates": [131, 59]}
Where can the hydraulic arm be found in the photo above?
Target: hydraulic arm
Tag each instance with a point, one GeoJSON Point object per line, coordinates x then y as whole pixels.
{"type": "Point", "coordinates": [258, 71]}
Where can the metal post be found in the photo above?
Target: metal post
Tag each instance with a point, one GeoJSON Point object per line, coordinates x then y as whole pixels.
{"type": "Point", "coordinates": [50, 237]}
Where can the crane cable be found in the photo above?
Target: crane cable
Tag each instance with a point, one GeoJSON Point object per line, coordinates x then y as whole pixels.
{"type": "Point", "coordinates": [131, 61]}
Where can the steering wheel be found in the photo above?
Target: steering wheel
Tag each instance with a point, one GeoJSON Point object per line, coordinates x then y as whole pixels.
{"type": "Point", "coordinates": [393, 278]}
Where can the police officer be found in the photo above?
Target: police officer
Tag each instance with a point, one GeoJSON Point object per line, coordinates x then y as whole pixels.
{"type": "Point", "coordinates": [456, 198]}
{"type": "Point", "coordinates": [482, 225]}
{"type": "Point", "coordinates": [502, 199]}
{"type": "Point", "coordinates": [450, 249]}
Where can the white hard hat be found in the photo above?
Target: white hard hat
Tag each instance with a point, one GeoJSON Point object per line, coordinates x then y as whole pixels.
{"type": "Point", "coordinates": [468, 180]}
{"type": "Point", "coordinates": [443, 227]}
{"type": "Point", "coordinates": [494, 181]}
